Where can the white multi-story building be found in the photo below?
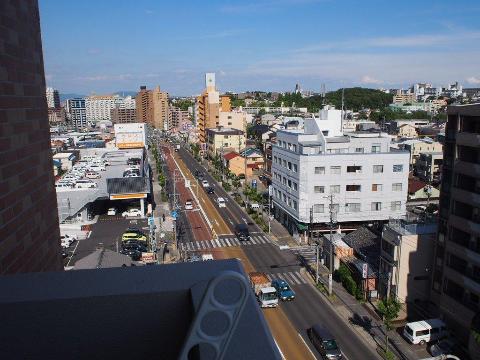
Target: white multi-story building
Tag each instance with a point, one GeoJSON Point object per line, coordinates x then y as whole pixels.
{"type": "Point", "coordinates": [367, 179]}
{"type": "Point", "coordinates": [53, 98]}
{"type": "Point", "coordinates": [98, 107]}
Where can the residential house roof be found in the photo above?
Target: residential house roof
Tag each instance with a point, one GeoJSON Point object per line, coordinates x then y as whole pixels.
{"type": "Point", "coordinates": [414, 185]}
{"type": "Point", "coordinates": [229, 156]}
{"type": "Point", "coordinates": [103, 258]}
{"type": "Point", "coordinates": [365, 244]}
{"type": "Point", "coordinates": [251, 152]}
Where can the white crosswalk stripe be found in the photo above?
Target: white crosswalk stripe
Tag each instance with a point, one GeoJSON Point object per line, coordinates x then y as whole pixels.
{"type": "Point", "coordinates": [253, 240]}
{"type": "Point", "coordinates": [236, 241]}
{"type": "Point", "coordinates": [228, 242]}
{"type": "Point", "coordinates": [207, 244]}
{"type": "Point", "coordinates": [269, 277]}
{"type": "Point", "coordinates": [217, 243]}
{"type": "Point", "coordinates": [223, 242]}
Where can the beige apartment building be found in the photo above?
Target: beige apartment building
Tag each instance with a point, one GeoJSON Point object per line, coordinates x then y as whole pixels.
{"type": "Point", "coordinates": [121, 116]}
{"type": "Point", "coordinates": [223, 140]}
{"type": "Point", "coordinates": [233, 119]}
{"type": "Point", "coordinates": [406, 258]}
{"type": "Point", "coordinates": [209, 105]}
{"type": "Point", "coordinates": [418, 146]}
{"type": "Point", "coordinates": [152, 107]}
{"type": "Point", "coordinates": [404, 98]}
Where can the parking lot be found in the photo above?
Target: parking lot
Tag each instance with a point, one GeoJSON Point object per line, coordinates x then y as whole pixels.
{"type": "Point", "coordinates": [107, 232]}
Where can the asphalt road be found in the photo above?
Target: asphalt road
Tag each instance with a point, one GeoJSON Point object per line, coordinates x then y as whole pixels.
{"type": "Point", "coordinates": [309, 307]}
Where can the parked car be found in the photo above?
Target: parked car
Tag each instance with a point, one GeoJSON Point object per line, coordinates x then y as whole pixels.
{"type": "Point", "coordinates": [221, 202]}
{"type": "Point", "coordinates": [210, 190]}
{"type": "Point", "coordinates": [324, 342]}
{"type": "Point", "coordinates": [189, 205]}
{"type": "Point", "coordinates": [132, 213]}
{"type": "Point", "coordinates": [67, 240]}
{"type": "Point", "coordinates": [85, 184]}
{"type": "Point", "coordinates": [134, 254]}
{"type": "Point", "coordinates": [443, 347]}
{"type": "Point", "coordinates": [134, 161]}
{"type": "Point", "coordinates": [112, 211]}
{"type": "Point", "coordinates": [135, 246]}
{"type": "Point", "coordinates": [63, 186]}
{"type": "Point", "coordinates": [254, 206]}
{"type": "Point", "coordinates": [92, 175]}
{"type": "Point", "coordinates": [419, 209]}
{"type": "Point", "coordinates": [95, 167]}
{"type": "Point", "coordinates": [242, 232]}
{"type": "Point", "coordinates": [205, 184]}
{"type": "Point", "coordinates": [131, 175]}
{"type": "Point", "coordinates": [424, 331]}
{"type": "Point", "coordinates": [283, 289]}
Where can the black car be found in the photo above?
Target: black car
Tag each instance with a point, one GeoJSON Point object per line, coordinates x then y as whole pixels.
{"type": "Point", "coordinates": [241, 232]}
{"type": "Point", "coordinates": [134, 246]}
{"type": "Point", "coordinates": [134, 254]}
{"type": "Point", "coordinates": [324, 342]}
{"type": "Point", "coordinates": [135, 243]}
{"type": "Point", "coordinates": [210, 190]}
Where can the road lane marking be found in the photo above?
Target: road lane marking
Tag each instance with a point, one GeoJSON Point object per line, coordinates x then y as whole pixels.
{"type": "Point", "coordinates": [298, 278]}
{"type": "Point", "coordinates": [278, 347]}
{"type": "Point", "coordinates": [308, 347]}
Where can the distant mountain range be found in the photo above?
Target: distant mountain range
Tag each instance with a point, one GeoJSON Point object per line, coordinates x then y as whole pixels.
{"type": "Point", "coordinates": [64, 97]}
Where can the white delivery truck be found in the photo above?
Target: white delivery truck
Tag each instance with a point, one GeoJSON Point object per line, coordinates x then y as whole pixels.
{"type": "Point", "coordinates": [265, 293]}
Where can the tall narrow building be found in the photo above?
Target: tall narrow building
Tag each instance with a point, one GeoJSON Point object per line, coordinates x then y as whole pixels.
{"type": "Point", "coordinates": [456, 273]}
{"type": "Point", "coordinates": [208, 106]}
{"type": "Point", "coordinates": [152, 107]}
{"type": "Point", "coordinates": [53, 98]}
{"type": "Point", "coordinates": [160, 109]}
{"type": "Point", "coordinates": [143, 104]}
{"type": "Point", "coordinates": [30, 235]}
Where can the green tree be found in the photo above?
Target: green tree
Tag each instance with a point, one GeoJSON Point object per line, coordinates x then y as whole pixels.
{"type": "Point", "coordinates": [389, 309]}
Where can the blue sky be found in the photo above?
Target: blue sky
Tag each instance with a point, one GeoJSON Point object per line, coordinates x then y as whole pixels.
{"type": "Point", "coordinates": [101, 46]}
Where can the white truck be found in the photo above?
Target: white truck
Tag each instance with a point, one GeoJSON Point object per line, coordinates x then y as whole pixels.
{"type": "Point", "coordinates": [265, 293]}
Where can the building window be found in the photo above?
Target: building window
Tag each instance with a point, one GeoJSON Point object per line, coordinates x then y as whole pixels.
{"type": "Point", "coordinates": [378, 169]}
{"type": "Point", "coordinates": [397, 187]}
{"type": "Point", "coordinates": [396, 205]}
{"type": "Point", "coordinates": [289, 165]}
{"type": "Point", "coordinates": [359, 150]}
{"type": "Point", "coordinates": [289, 202]}
{"type": "Point", "coordinates": [275, 159]}
{"type": "Point", "coordinates": [295, 168]}
{"type": "Point", "coordinates": [335, 170]}
{"type": "Point", "coordinates": [318, 208]}
{"type": "Point", "coordinates": [335, 189]}
{"type": "Point", "coordinates": [295, 205]}
{"type": "Point", "coordinates": [353, 188]}
{"type": "Point", "coordinates": [318, 189]}
{"type": "Point", "coordinates": [294, 147]}
{"type": "Point", "coordinates": [354, 169]}
{"type": "Point", "coordinates": [319, 170]}
{"type": "Point", "coordinates": [284, 163]}
{"type": "Point", "coordinates": [352, 207]}
{"type": "Point", "coordinates": [377, 187]}
{"type": "Point", "coordinates": [397, 168]}
{"type": "Point", "coordinates": [289, 183]}
{"type": "Point", "coordinates": [284, 181]}
{"type": "Point", "coordinates": [376, 148]}
{"type": "Point", "coordinates": [376, 206]}
{"type": "Point", "coordinates": [295, 187]}
{"type": "Point", "coordinates": [284, 198]}
{"type": "Point", "coordinates": [335, 208]}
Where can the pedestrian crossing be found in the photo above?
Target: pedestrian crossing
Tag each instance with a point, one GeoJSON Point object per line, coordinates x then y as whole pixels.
{"type": "Point", "coordinates": [292, 277]}
{"type": "Point", "coordinates": [308, 253]}
{"type": "Point", "coordinates": [223, 242]}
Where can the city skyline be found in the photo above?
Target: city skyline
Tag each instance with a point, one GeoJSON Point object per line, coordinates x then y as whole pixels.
{"type": "Point", "coordinates": [262, 45]}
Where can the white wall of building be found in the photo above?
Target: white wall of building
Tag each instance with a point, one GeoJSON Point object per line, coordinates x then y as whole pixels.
{"type": "Point", "coordinates": [297, 154]}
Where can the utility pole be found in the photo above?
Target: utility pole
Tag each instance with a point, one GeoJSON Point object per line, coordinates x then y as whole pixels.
{"type": "Point", "coordinates": [389, 279]}
{"type": "Point", "coordinates": [332, 222]}
{"type": "Point", "coordinates": [317, 246]}
{"type": "Point", "coordinates": [269, 205]}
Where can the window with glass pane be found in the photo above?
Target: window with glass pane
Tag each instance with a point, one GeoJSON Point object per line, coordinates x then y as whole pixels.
{"type": "Point", "coordinates": [320, 170]}
{"type": "Point", "coordinates": [335, 170]}
{"type": "Point", "coordinates": [397, 168]}
{"type": "Point", "coordinates": [319, 189]}
{"type": "Point", "coordinates": [353, 188]}
{"type": "Point", "coordinates": [396, 205]}
{"type": "Point", "coordinates": [377, 187]}
{"type": "Point", "coordinates": [318, 208]}
{"type": "Point", "coordinates": [376, 206]}
{"type": "Point", "coordinates": [378, 168]}
{"type": "Point", "coordinates": [352, 207]}
{"type": "Point", "coordinates": [335, 189]}
{"type": "Point", "coordinates": [397, 187]}
{"type": "Point", "coordinates": [376, 148]}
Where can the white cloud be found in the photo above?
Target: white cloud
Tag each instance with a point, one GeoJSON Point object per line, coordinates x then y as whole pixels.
{"type": "Point", "coordinates": [149, 12]}
{"type": "Point", "coordinates": [473, 80]}
{"type": "Point", "coordinates": [370, 80]}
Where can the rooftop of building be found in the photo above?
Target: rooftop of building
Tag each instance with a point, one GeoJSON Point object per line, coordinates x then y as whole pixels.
{"type": "Point", "coordinates": [103, 259]}
{"type": "Point", "coordinates": [155, 311]}
{"type": "Point", "coordinates": [224, 131]}
{"type": "Point", "coordinates": [414, 225]}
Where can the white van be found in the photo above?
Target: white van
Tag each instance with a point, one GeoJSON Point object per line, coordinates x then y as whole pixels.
{"type": "Point", "coordinates": [421, 332]}
{"type": "Point", "coordinates": [221, 202]}
{"type": "Point", "coordinates": [85, 184]}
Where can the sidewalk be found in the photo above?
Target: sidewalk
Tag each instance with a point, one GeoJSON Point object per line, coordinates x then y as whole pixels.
{"type": "Point", "coordinates": [364, 319]}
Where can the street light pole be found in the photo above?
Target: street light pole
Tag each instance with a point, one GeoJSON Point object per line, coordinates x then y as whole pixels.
{"type": "Point", "coordinates": [318, 260]}
{"type": "Point", "coordinates": [330, 275]}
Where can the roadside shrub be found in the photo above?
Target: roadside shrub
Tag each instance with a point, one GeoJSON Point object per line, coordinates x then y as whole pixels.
{"type": "Point", "coordinates": [227, 186]}
{"type": "Point", "coordinates": [350, 285]}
